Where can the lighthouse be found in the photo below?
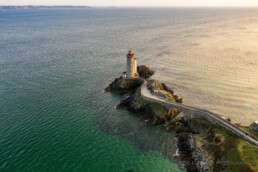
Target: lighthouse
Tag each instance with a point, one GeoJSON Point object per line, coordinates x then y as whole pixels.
{"type": "Point", "coordinates": [131, 71]}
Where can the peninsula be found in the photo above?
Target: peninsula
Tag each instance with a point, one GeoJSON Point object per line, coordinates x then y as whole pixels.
{"type": "Point", "coordinates": [206, 141]}
{"type": "Point", "coordinates": [39, 6]}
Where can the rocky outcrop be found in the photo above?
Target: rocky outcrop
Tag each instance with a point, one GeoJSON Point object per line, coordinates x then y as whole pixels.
{"type": "Point", "coordinates": [204, 162]}
{"type": "Point", "coordinates": [186, 151]}
{"type": "Point", "coordinates": [163, 91]}
{"type": "Point", "coordinates": [141, 108]}
{"type": "Point", "coordinates": [212, 145]}
{"type": "Point", "coordinates": [123, 85]}
{"type": "Point", "coordinates": [144, 71]}
{"type": "Point", "coordinates": [195, 139]}
{"type": "Point", "coordinates": [165, 87]}
{"type": "Point", "coordinates": [184, 135]}
{"type": "Point", "coordinates": [171, 114]}
{"type": "Point", "coordinates": [179, 126]}
{"type": "Point", "coordinates": [202, 145]}
{"type": "Point", "coordinates": [153, 85]}
{"type": "Point", "coordinates": [164, 95]}
{"type": "Point", "coordinates": [132, 105]}
{"type": "Point", "coordinates": [155, 114]}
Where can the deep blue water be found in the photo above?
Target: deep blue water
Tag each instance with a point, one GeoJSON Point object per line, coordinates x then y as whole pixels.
{"type": "Point", "coordinates": [55, 63]}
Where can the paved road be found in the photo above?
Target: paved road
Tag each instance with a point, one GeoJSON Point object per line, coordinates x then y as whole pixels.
{"type": "Point", "coordinates": [146, 94]}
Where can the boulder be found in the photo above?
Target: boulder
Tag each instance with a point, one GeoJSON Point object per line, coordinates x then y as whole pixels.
{"type": "Point", "coordinates": [161, 90]}
{"type": "Point", "coordinates": [172, 113]}
{"type": "Point", "coordinates": [165, 87]}
{"type": "Point", "coordinates": [122, 85]}
{"type": "Point", "coordinates": [154, 85]}
{"type": "Point", "coordinates": [180, 100]}
{"type": "Point", "coordinates": [144, 71]}
{"type": "Point", "coordinates": [164, 94]}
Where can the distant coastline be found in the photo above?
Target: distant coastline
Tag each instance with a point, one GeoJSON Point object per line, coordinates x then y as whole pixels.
{"type": "Point", "coordinates": [40, 6]}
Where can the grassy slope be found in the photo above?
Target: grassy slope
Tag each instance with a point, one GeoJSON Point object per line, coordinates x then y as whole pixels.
{"type": "Point", "coordinates": [254, 133]}
{"type": "Point", "coordinates": [139, 99]}
{"type": "Point", "coordinates": [157, 108]}
{"type": "Point", "coordinates": [234, 153]}
{"type": "Point", "coordinates": [249, 154]}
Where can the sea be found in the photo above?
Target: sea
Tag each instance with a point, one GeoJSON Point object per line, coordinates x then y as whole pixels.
{"type": "Point", "coordinates": [55, 64]}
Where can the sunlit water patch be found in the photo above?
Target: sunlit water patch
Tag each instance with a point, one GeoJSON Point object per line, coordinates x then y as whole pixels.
{"type": "Point", "coordinates": [55, 64]}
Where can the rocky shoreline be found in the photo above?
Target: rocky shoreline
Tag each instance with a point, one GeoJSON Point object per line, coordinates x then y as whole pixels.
{"type": "Point", "coordinates": [154, 114]}
{"type": "Point", "coordinates": [195, 138]}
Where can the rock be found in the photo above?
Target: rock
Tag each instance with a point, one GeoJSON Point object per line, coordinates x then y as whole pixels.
{"type": "Point", "coordinates": [107, 89]}
{"type": "Point", "coordinates": [161, 90]}
{"type": "Point", "coordinates": [237, 124]}
{"type": "Point", "coordinates": [180, 100]}
{"type": "Point", "coordinates": [185, 151]}
{"type": "Point", "coordinates": [164, 95]}
{"type": "Point", "coordinates": [203, 161]}
{"type": "Point", "coordinates": [132, 105]}
{"type": "Point", "coordinates": [254, 126]}
{"type": "Point", "coordinates": [154, 85]}
{"type": "Point", "coordinates": [172, 114]}
{"type": "Point", "coordinates": [124, 85]}
{"type": "Point", "coordinates": [144, 71]}
{"type": "Point", "coordinates": [165, 87]}
{"type": "Point", "coordinates": [177, 99]}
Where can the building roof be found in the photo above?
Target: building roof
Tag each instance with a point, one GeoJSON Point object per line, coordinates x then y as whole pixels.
{"type": "Point", "coordinates": [130, 53]}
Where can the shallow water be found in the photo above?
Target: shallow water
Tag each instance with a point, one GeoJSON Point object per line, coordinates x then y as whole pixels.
{"type": "Point", "coordinates": [55, 63]}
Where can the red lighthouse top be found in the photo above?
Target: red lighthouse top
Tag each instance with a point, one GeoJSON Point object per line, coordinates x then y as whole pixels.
{"type": "Point", "coordinates": [130, 53]}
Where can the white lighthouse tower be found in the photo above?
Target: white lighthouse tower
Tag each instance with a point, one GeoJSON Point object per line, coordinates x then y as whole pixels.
{"type": "Point", "coordinates": [131, 71]}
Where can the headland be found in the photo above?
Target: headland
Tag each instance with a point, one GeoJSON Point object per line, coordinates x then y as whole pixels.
{"type": "Point", "coordinates": [5, 7]}
{"type": "Point", "coordinates": [206, 141]}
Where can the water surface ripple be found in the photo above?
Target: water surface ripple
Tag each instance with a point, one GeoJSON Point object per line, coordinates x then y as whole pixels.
{"type": "Point", "coordinates": [55, 63]}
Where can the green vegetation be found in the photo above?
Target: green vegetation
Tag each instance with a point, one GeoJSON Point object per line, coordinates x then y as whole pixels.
{"type": "Point", "coordinates": [228, 150]}
{"type": "Point", "coordinates": [249, 154]}
{"type": "Point", "coordinates": [247, 129]}
{"type": "Point", "coordinates": [128, 83]}
{"type": "Point", "coordinates": [139, 99]}
{"type": "Point", "coordinates": [231, 153]}
{"type": "Point", "coordinates": [157, 108]}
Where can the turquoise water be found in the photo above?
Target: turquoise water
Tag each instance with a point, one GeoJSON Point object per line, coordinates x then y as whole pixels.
{"type": "Point", "coordinates": [54, 115]}
{"type": "Point", "coordinates": [55, 63]}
